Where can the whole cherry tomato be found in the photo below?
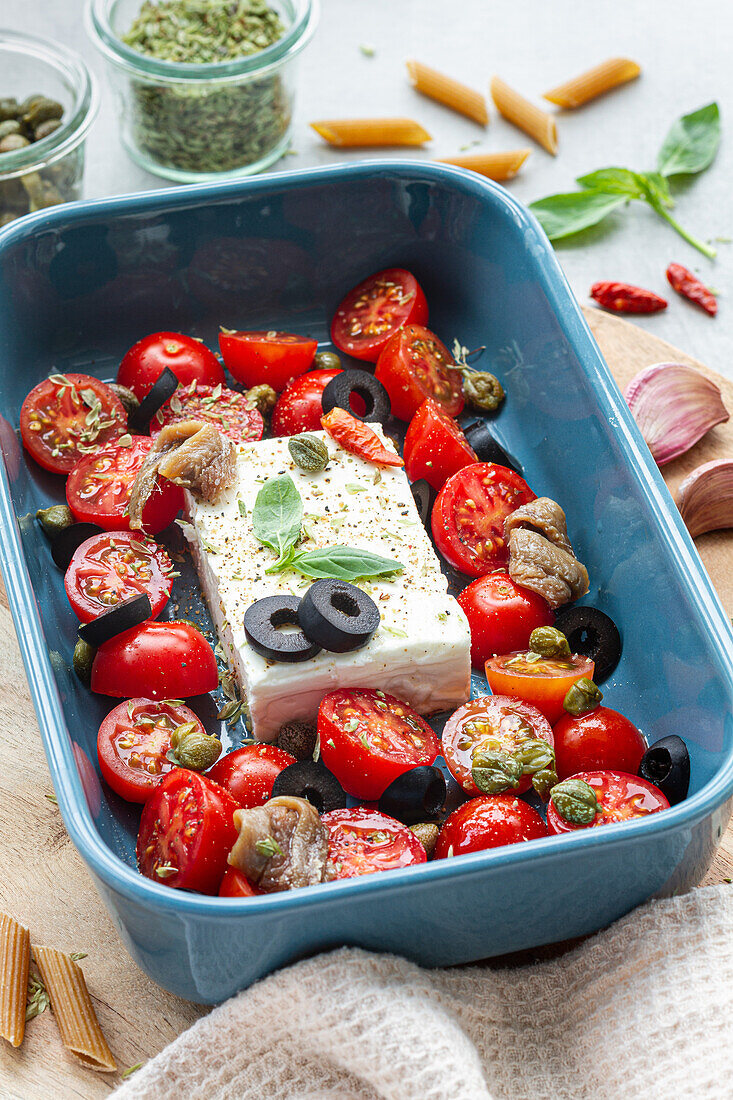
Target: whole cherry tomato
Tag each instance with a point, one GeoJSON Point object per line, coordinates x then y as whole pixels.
{"type": "Point", "coordinates": [248, 773]}
{"type": "Point", "coordinates": [375, 309]}
{"type": "Point", "coordinates": [157, 660]}
{"type": "Point", "coordinates": [435, 447]}
{"type": "Point", "coordinates": [488, 822]}
{"type": "Point", "coordinates": [299, 406]}
{"type": "Point", "coordinates": [501, 615]}
{"type": "Point", "coordinates": [189, 359]}
{"type": "Point", "coordinates": [602, 740]}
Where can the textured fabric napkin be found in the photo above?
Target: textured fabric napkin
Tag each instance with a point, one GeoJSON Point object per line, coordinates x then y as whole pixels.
{"type": "Point", "coordinates": [641, 1010]}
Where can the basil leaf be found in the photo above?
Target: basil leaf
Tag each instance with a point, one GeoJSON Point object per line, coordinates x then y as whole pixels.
{"type": "Point", "coordinates": [655, 188]}
{"type": "Point", "coordinates": [278, 514]}
{"type": "Point", "coordinates": [691, 144]}
{"type": "Point", "coordinates": [562, 215]}
{"type": "Point", "coordinates": [345, 563]}
{"type": "Point", "coordinates": [613, 181]}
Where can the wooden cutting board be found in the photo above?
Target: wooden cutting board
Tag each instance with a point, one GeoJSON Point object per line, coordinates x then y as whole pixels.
{"type": "Point", "coordinates": [44, 882]}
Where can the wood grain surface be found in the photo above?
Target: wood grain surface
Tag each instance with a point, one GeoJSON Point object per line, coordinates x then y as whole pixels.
{"type": "Point", "coordinates": [44, 882]}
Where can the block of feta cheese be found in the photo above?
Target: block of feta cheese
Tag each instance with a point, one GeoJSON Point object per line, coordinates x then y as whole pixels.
{"type": "Point", "coordinates": [421, 649]}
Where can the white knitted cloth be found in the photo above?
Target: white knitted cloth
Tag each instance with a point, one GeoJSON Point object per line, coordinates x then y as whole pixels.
{"type": "Point", "coordinates": [641, 1010]}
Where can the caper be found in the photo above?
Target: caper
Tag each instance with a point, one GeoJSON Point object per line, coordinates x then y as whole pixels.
{"type": "Point", "coordinates": [427, 833]}
{"type": "Point", "coordinates": [543, 781]}
{"type": "Point", "coordinates": [583, 697]}
{"type": "Point", "coordinates": [12, 142]}
{"type": "Point", "coordinates": [129, 401]}
{"type": "Point", "coordinates": [41, 110]}
{"type": "Point", "coordinates": [549, 642]}
{"type": "Point", "coordinates": [54, 519]}
{"type": "Point", "coordinates": [193, 749]}
{"type": "Point", "coordinates": [575, 801]}
{"type": "Point", "coordinates": [8, 108]}
{"type": "Point", "coordinates": [308, 452]}
{"type": "Point", "coordinates": [327, 360]}
{"type": "Point", "coordinates": [82, 661]}
{"type": "Point", "coordinates": [535, 756]}
{"type": "Point", "coordinates": [10, 126]}
{"type": "Point", "coordinates": [494, 772]}
{"type": "Point", "coordinates": [483, 390]}
{"type": "Point", "coordinates": [46, 128]}
{"type": "Point", "coordinates": [264, 397]}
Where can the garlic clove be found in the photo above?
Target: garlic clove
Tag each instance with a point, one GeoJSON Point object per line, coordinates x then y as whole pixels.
{"type": "Point", "coordinates": [674, 406]}
{"type": "Point", "coordinates": [705, 497]}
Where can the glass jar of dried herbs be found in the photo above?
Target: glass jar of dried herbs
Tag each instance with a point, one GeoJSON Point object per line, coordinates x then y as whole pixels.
{"type": "Point", "coordinates": [205, 87]}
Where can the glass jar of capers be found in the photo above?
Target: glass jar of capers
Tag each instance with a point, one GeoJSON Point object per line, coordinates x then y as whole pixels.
{"type": "Point", "coordinates": [47, 103]}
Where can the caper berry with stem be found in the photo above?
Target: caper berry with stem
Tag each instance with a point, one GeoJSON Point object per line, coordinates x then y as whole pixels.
{"type": "Point", "coordinates": [482, 390]}
{"type": "Point", "coordinates": [83, 660]}
{"type": "Point", "coordinates": [583, 697]}
{"type": "Point", "coordinates": [575, 801]}
{"type": "Point", "coordinates": [549, 642]}
{"type": "Point", "coordinates": [326, 360]}
{"type": "Point", "coordinates": [54, 519]}
{"type": "Point", "coordinates": [193, 749]}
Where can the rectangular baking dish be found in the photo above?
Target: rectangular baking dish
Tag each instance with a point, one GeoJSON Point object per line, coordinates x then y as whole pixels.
{"type": "Point", "coordinates": [79, 284]}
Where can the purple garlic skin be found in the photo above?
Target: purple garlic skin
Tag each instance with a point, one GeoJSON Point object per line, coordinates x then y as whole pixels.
{"type": "Point", "coordinates": [674, 406]}
{"type": "Point", "coordinates": [705, 497]}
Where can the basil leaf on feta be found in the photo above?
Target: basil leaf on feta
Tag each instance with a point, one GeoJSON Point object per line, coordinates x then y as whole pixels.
{"type": "Point", "coordinates": [344, 563]}
{"type": "Point", "coordinates": [277, 516]}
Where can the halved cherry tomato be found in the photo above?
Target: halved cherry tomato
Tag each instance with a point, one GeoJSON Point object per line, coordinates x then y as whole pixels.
{"type": "Point", "coordinates": [235, 884]}
{"type": "Point", "coordinates": [107, 569]}
{"type": "Point", "coordinates": [488, 822]}
{"type": "Point", "coordinates": [362, 841]}
{"type": "Point", "coordinates": [358, 438]}
{"type": "Point", "coordinates": [67, 416]}
{"type": "Point", "coordinates": [469, 512]}
{"type": "Point", "coordinates": [603, 739]}
{"type": "Point", "coordinates": [435, 447]}
{"type": "Point", "coordinates": [98, 489]}
{"type": "Point", "coordinates": [157, 660]}
{"type": "Point", "coordinates": [368, 738]}
{"type": "Point", "coordinates": [229, 411]}
{"type": "Point", "coordinates": [415, 365]}
{"type": "Point", "coordinates": [501, 615]}
{"type": "Point", "coordinates": [248, 773]}
{"type": "Point", "coordinates": [133, 742]}
{"type": "Point", "coordinates": [541, 681]}
{"type": "Point", "coordinates": [299, 406]}
{"type": "Point", "coordinates": [186, 833]}
{"type": "Point", "coordinates": [491, 723]}
{"type": "Point", "coordinates": [189, 359]}
{"type": "Point", "coordinates": [621, 797]}
{"type": "Point", "coordinates": [375, 309]}
{"type": "Point", "coordinates": [266, 358]}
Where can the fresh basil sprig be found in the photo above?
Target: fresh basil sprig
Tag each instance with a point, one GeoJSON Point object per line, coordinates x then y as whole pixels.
{"type": "Point", "coordinates": [345, 563]}
{"type": "Point", "coordinates": [689, 148]}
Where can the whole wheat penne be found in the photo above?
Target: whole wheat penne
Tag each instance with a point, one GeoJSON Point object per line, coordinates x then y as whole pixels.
{"type": "Point", "coordinates": [497, 166]}
{"type": "Point", "coordinates": [535, 122]}
{"type": "Point", "coordinates": [451, 93]}
{"type": "Point", "coordinates": [609, 74]}
{"type": "Point", "coordinates": [73, 1009]}
{"type": "Point", "coordinates": [15, 957]}
{"type": "Point", "coordinates": [355, 132]}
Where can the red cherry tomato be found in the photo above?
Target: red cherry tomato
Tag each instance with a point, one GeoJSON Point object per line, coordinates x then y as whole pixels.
{"type": "Point", "coordinates": [358, 438]}
{"type": "Point", "coordinates": [67, 416]}
{"type": "Point", "coordinates": [368, 739]}
{"type": "Point", "coordinates": [501, 615]}
{"type": "Point", "coordinates": [491, 723]}
{"type": "Point", "coordinates": [107, 569]}
{"type": "Point", "coordinates": [189, 359]}
{"type": "Point", "coordinates": [375, 309]}
{"type": "Point", "coordinates": [266, 358]}
{"type": "Point", "coordinates": [621, 797]}
{"type": "Point", "coordinates": [468, 516]}
{"type": "Point", "coordinates": [435, 447]}
{"type": "Point", "coordinates": [602, 740]}
{"type": "Point", "coordinates": [362, 841]}
{"type": "Point", "coordinates": [299, 406]}
{"type": "Point", "coordinates": [157, 660]}
{"type": "Point", "coordinates": [186, 833]}
{"type": "Point", "coordinates": [248, 773]}
{"type": "Point", "coordinates": [543, 683]}
{"type": "Point", "coordinates": [98, 489]}
{"type": "Point", "coordinates": [229, 411]}
{"type": "Point", "coordinates": [133, 742]}
{"type": "Point", "coordinates": [488, 822]}
{"type": "Point", "coordinates": [237, 885]}
{"type": "Point", "coordinates": [415, 365]}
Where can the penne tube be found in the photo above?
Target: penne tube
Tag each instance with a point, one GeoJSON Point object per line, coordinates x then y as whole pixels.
{"type": "Point", "coordinates": [15, 958]}
{"type": "Point", "coordinates": [609, 74]}
{"type": "Point", "coordinates": [355, 132]}
{"type": "Point", "coordinates": [73, 1009]}
{"type": "Point", "coordinates": [451, 93]}
{"type": "Point", "coordinates": [497, 166]}
{"type": "Point", "coordinates": [535, 122]}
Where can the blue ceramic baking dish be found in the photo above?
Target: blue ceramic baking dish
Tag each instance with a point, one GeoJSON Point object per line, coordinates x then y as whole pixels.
{"type": "Point", "coordinates": [79, 284]}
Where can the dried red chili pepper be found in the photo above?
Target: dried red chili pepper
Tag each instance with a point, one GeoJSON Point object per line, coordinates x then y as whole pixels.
{"type": "Point", "coordinates": [624, 298]}
{"type": "Point", "coordinates": [689, 286]}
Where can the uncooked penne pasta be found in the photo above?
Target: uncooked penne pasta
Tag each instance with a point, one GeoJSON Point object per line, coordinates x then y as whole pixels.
{"type": "Point", "coordinates": [497, 166]}
{"type": "Point", "coordinates": [15, 957]}
{"type": "Point", "coordinates": [451, 93]}
{"type": "Point", "coordinates": [609, 74]}
{"type": "Point", "coordinates": [535, 122]}
{"type": "Point", "coordinates": [356, 132]}
{"type": "Point", "coordinates": [73, 1009]}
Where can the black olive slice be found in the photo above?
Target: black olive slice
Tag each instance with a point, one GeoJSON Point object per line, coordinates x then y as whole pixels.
{"type": "Point", "coordinates": [480, 437]}
{"type": "Point", "coordinates": [666, 764]}
{"type": "Point", "coordinates": [339, 391]}
{"type": "Point", "coordinates": [415, 796]}
{"type": "Point", "coordinates": [161, 391]}
{"type": "Point", "coordinates": [123, 616]}
{"type": "Point", "coordinates": [312, 781]}
{"type": "Point", "coordinates": [338, 616]}
{"type": "Point", "coordinates": [261, 622]}
{"type": "Point", "coordinates": [424, 496]}
{"type": "Point", "coordinates": [593, 634]}
{"type": "Point", "coordinates": [68, 541]}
